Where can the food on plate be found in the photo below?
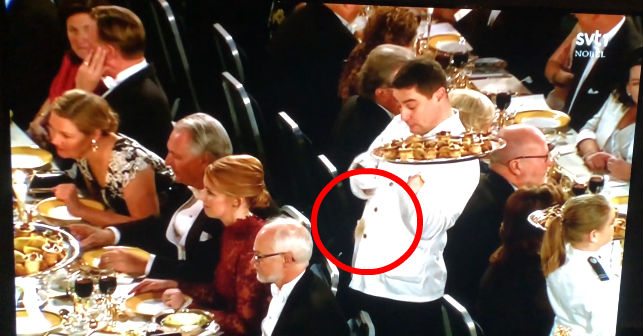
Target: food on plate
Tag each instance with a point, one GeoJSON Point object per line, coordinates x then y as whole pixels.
{"type": "Point", "coordinates": [619, 228]}
{"type": "Point", "coordinates": [23, 230]}
{"type": "Point", "coordinates": [185, 319]}
{"type": "Point", "coordinates": [443, 145]}
{"type": "Point", "coordinates": [39, 251]}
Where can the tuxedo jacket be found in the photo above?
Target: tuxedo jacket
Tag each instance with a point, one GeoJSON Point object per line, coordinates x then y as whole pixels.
{"type": "Point", "coordinates": [307, 55]}
{"type": "Point", "coordinates": [608, 72]}
{"type": "Point", "coordinates": [143, 110]}
{"type": "Point", "coordinates": [202, 245]}
{"type": "Point", "coordinates": [359, 122]}
{"type": "Point", "coordinates": [474, 237]}
{"type": "Point", "coordinates": [311, 309]}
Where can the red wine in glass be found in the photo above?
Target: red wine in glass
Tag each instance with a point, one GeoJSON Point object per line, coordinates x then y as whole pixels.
{"type": "Point", "coordinates": [107, 284]}
{"type": "Point", "coordinates": [596, 183]}
{"type": "Point", "coordinates": [83, 287]}
{"type": "Point", "coordinates": [459, 59]}
{"type": "Point", "coordinates": [443, 58]}
{"type": "Point", "coordinates": [579, 189]}
{"type": "Point", "coordinates": [503, 100]}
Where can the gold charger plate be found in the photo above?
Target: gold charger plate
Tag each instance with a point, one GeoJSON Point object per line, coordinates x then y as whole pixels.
{"type": "Point", "coordinates": [620, 202]}
{"type": "Point", "coordinates": [438, 42]}
{"type": "Point", "coordinates": [55, 211]}
{"type": "Point", "coordinates": [543, 119]}
{"type": "Point", "coordinates": [92, 257]}
{"type": "Point", "coordinates": [26, 326]}
{"type": "Point", "coordinates": [24, 157]}
{"type": "Point", "coordinates": [150, 304]}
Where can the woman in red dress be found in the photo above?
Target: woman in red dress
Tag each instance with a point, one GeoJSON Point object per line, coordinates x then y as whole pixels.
{"type": "Point", "coordinates": [234, 185]}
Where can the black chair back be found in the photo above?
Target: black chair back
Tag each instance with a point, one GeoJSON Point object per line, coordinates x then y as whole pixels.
{"type": "Point", "coordinates": [245, 117]}
{"type": "Point", "coordinates": [229, 56]}
{"type": "Point", "coordinates": [457, 320]}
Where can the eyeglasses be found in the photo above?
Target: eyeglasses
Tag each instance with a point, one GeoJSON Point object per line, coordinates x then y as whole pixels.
{"type": "Point", "coordinates": [547, 156]}
{"type": "Point", "coordinates": [258, 257]}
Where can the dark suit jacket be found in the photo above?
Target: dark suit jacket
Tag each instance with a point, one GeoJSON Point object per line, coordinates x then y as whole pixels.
{"type": "Point", "coordinates": [474, 237]}
{"type": "Point", "coordinates": [359, 122]}
{"type": "Point", "coordinates": [149, 234]}
{"type": "Point", "coordinates": [607, 73]}
{"type": "Point", "coordinates": [311, 309]}
{"type": "Point", "coordinates": [143, 110]}
{"type": "Point", "coordinates": [307, 55]}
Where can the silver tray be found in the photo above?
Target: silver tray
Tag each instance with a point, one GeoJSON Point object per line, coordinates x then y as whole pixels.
{"type": "Point", "coordinates": [497, 143]}
{"type": "Point", "coordinates": [71, 245]}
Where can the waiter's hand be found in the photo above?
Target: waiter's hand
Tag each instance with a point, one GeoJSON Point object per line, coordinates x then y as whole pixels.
{"type": "Point", "coordinates": [68, 193]}
{"type": "Point", "coordinates": [91, 236]}
{"type": "Point", "coordinates": [416, 182]}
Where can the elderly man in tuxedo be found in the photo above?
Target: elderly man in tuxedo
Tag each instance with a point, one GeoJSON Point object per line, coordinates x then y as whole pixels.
{"type": "Point", "coordinates": [185, 242]}
{"type": "Point", "coordinates": [475, 235]}
{"type": "Point", "coordinates": [302, 303]}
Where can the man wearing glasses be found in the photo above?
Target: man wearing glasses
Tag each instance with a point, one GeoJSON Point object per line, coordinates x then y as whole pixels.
{"type": "Point", "coordinates": [475, 235]}
{"type": "Point", "coordinates": [302, 303]}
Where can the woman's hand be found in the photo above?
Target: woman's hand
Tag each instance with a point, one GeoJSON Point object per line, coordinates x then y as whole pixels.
{"type": "Point", "coordinates": [619, 168]}
{"type": "Point", "coordinates": [154, 285]}
{"type": "Point", "coordinates": [173, 298]}
{"type": "Point", "coordinates": [123, 261]}
{"type": "Point", "coordinates": [91, 70]}
{"type": "Point", "coordinates": [597, 161]}
{"type": "Point", "coordinates": [68, 193]}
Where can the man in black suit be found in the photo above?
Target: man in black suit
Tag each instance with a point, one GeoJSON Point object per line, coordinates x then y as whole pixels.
{"type": "Point", "coordinates": [134, 92]}
{"type": "Point", "coordinates": [363, 117]}
{"type": "Point", "coordinates": [475, 235]}
{"type": "Point", "coordinates": [302, 303]}
{"type": "Point", "coordinates": [306, 57]}
{"type": "Point", "coordinates": [185, 241]}
{"type": "Point", "coordinates": [588, 64]}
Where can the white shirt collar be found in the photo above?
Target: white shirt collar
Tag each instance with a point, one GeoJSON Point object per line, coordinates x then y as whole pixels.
{"type": "Point", "coordinates": [125, 74]}
{"type": "Point", "coordinates": [345, 23]}
{"type": "Point", "coordinates": [389, 113]}
{"type": "Point", "coordinates": [279, 298]}
{"type": "Point", "coordinates": [287, 288]}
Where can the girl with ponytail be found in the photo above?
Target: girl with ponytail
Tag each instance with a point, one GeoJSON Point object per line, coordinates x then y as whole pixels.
{"type": "Point", "coordinates": [234, 188]}
{"type": "Point", "coordinates": [582, 267]}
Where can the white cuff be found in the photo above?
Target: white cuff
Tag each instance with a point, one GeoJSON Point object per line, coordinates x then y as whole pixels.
{"type": "Point", "coordinates": [117, 235]}
{"type": "Point", "coordinates": [150, 261]}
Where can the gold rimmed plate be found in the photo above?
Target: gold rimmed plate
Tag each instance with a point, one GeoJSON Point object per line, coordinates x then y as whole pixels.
{"type": "Point", "coordinates": [92, 257]}
{"type": "Point", "coordinates": [150, 304]}
{"type": "Point", "coordinates": [24, 157]}
{"type": "Point", "coordinates": [29, 325]}
{"type": "Point", "coordinates": [448, 43]}
{"type": "Point", "coordinates": [620, 203]}
{"type": "Point", "coordinates": [186, 321]}
{"type": "Point", "coordinates": [543, 119]}
{"type": "Point", "coordinates": [54, 211]}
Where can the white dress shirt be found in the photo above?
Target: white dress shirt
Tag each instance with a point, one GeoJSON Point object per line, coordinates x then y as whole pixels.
{"type": "Point", "coordinates": [582, 303]}
{"type": "Point", "coordinates": [111, 83]}
{"type": "Point", "coordinates": [603, 128]}
{"type": "Point", "coordinates": [389, 221]}
{"type": "Point", "coordinates": [279, 298]}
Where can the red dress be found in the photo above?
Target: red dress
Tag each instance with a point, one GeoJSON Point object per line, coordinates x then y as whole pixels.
{"type": "Point", "coordinates": [237, 299]}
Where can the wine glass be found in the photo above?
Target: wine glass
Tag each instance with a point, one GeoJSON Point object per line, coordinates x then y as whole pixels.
{"type": "Point", "coordinates": [107, 282]}
{"type": "Point", "coordinates": [503, 100]}
{"type": "Point", "coordinates": [579, 188]}
{"type": "Point", "coordinates": [596, 183]}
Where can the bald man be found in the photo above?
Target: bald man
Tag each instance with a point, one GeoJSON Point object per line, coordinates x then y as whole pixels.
{"type": "Point", "coordinates": [302, 303]}
{"type": "Point", "coordinates": [475, 235]}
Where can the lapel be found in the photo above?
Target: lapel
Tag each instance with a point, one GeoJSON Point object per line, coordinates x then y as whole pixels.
{"type": "Point", "coordinates": [295, 305]}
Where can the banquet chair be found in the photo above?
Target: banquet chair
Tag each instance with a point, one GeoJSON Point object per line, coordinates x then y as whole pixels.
{"type": "Point", "coordinates": [457, 320]}
{"type": "Point", "coordinates": [170, 56]}
{"type": "Point", "coordinates": [318, 263]}
{"type": "Point", "coordinates": [244, 115]}
{"type": "Point", "coordinates": [229, 56]}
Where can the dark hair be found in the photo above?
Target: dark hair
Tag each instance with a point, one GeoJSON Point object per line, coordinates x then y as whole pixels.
{"type": "Point", "coordinates": [621, 92]}
{"type": "Point", "coordinates": [120, 27]}
{"type": "Point", "coordinates": [68, 8]}
{"type": "Point", "coordinates": [392, 25]}
{"type": "Point", "coordinates": [516, 233]}
{"type": "Point", "coordinates": [422, 72]}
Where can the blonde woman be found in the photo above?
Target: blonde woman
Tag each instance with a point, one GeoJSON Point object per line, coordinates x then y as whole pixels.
{"type": "Point", "coordinates": [234, 186]}
{"type": "Point", "coordinates": [116, 169]}
{"type": "Point", "coordinates": [583, 277]}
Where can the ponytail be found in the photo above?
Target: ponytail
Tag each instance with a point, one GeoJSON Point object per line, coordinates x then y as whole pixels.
{"type": "Point", "coordinates": [552, 251]}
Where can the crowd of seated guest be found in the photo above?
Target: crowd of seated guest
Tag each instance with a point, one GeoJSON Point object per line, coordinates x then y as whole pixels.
{"type": "Point", "coordinates": [206, 231]}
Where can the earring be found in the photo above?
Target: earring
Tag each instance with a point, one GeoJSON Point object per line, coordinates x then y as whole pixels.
{"type": "Point", "coordinates": [94, 145]}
